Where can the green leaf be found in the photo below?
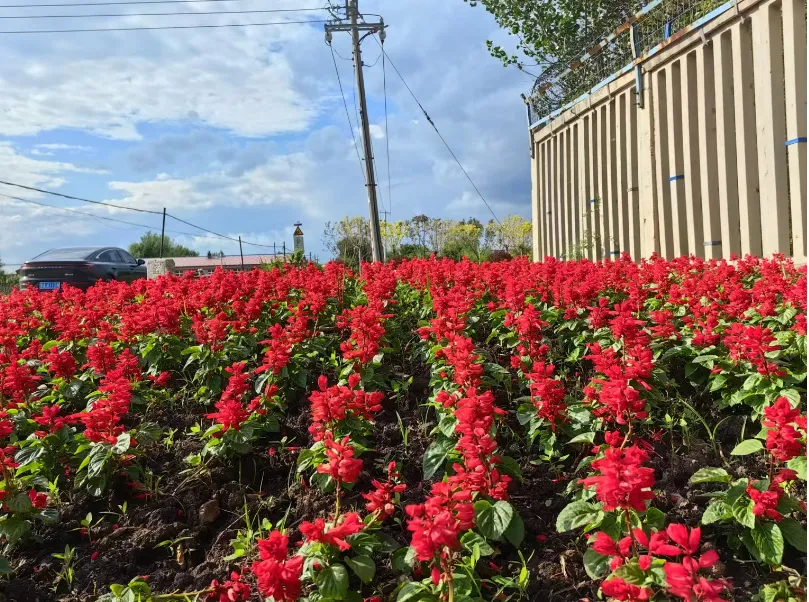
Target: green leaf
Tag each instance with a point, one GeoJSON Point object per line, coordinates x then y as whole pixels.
{"type": "Point", "coordinates": [654, 519]}
{"type": "Point", "coordinates": [493, 520]}
{"type": "Point", "coordinates": [742, 511]}
{"type": "Point", "coordinates": [436, 456]}
{"type": "Point", "coordinates": [14, 529]}
{"type": "Point", "coordinates": [798, 465]}
{"type": "Point", "coordinates": [404, 559]}
{"type": "Point", "coordinates": [711, 475]}
{"type": "Point", "coordinates": [769, 542]}
{"type": "Point", "coordinates": [49, 345]}
{"type": "Point", "coordinates": [363, 566]}
{"type": "Point", "coordinates": [19, 502]}
{"type": "Point", "coordinates": [510, 466]}
{"type": "Point", "coordinates": [736, 490]}
{"type": "Point", "coordinates": [588, 437]}
{"type": "Point", "coordinates": [596, 565]}
{"type": "Point", "coordinates": [28, 454]}
{"type": "Point", "coordinates": [122, 443]}
{"type": "Point", "coordinates": [717, 510]}
{"type": "Point", "coordinates": [718, 382]}
{"type": "Point", "coordinates": [515, 532]}
{"type": "Point", "coordinates": [5, 567]}
{"type": "Point", "coordinates": [470, 539]}
{"type": "Point", "coordinates": [749, 446]}
{"type": "Point", "coordinates": [576, 514]}
{"type": "Point", "coordinates": [794, 533]}
{"type": "Point", "coordinates": [415, 592]}
{"type": "Point", "coordinates": [333, 582]}
{"type": "Point", "coordinates": [751, 382]}
{"type": "Point", "coordinates": [631, 573]}
{"type": "Point", "coordinates": [98, 460]}
{"type": "Point", "coordinates": [447, 426]}
{"type": "Point", "coordinates": [793, 395]}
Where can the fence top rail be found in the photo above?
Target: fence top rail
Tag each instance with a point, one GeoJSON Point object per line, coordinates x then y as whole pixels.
{"type": "Point", "coordinates": [656, 26]}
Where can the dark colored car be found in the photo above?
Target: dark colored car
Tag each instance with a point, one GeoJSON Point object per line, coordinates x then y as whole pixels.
{"type": "Point", "coordinates": [80, 267]}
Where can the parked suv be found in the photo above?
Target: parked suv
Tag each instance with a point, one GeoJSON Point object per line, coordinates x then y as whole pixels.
{"type": "Point", "coordinates": [80, 267]}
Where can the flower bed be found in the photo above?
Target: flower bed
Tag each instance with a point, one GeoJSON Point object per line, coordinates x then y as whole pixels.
{"type": "Point", "coordinates": [424, 431]}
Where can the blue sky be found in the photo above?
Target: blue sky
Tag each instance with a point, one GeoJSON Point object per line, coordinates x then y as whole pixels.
{"type": "Point", "coordinates": [243, 130]}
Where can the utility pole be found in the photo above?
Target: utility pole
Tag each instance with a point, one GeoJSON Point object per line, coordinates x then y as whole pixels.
{"type": "Point", "coordinates": [352, 13]}
{"type": "Point", "coordinates": [163, 233]}
{"type": "Point", "coordinates": [241, 254]}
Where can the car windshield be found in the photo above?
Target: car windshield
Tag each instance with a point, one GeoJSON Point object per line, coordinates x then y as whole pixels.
{"type": "Point", "coordinates": [65, 254]}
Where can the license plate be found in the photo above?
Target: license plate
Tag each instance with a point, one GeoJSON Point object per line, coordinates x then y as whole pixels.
{"type": "Point", "coordinates": [49, 286]}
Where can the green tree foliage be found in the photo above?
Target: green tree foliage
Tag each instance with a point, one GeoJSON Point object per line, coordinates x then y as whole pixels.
{"type": "Point", "coordinates": [349, 240]}
{"type": "Point", "coordinates": [513, 235]}
{"type": "Point", "coordinates": [149, 246]}
{"type": "Point", "coordinates": [548, 32]}
{"type": "Point", "coordinates": [7, 280]}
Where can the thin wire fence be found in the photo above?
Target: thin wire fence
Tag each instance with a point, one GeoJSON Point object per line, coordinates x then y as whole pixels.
{"type": "Point", "coordinates": [577, 75]}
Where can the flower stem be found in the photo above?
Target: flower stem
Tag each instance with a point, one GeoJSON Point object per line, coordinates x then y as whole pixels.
{"type": "Point", "coordinates": [626, 437]}
{"type": "Point", "coordinates": [180, 595]}
{"type": "Point", "coordinates": [337, 504]}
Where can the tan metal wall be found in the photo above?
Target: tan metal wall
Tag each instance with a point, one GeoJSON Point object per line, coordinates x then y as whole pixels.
{"type": "Point", "coordinates": [714, 163]}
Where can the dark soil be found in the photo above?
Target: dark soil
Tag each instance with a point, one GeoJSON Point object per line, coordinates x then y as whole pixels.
{"type": "Point", "coordinates": [263, 486]}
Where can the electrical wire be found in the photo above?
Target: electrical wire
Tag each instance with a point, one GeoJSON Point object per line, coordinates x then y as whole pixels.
{"type": "Point", "coordinates": [97, 217]}
{"type": "Point", "coordinates": [160, 213]}
{"type": "Point", "coordinates": [364, 64]}
{"type": "Point", "coordinates": [341, 56]}
{"type": "Point", "coordinates": [75, 198]}
{"type": "Point", "coordinates": [345, 104]}
{"type": "Point", "coordinates": [217, 26]}
{"type": "Point", "coordinates": [110, 3]}
{"type": "Point", "coordinates": [100, 217]}
{"type": "Point", "coordinates": [392, 64]}
{"type": "Point", "coordinates": [173, 14]}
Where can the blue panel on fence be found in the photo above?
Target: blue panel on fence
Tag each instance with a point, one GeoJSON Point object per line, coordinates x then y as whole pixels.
{"type": "Point", "coordinates": [798, 140]}
{"type": "Point", "coordinates": [675, 178]}
{"type": "Point", "coordinates": [712, 243]}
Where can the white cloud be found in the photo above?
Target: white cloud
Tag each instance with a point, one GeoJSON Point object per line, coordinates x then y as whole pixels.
{"type": "Point", "coordinates": [34, 172]}
{"type": "Point", "coordinates": [215, 97]}
{"type": "Point", "coordinates": [110, 83]}
{"type": "Point", "coordinates": [280, 180]}
{"type": "Point", "coordinates": [65, 147]}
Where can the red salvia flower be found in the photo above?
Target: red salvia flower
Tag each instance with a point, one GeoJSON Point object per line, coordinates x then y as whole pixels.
{"type": "Point", "coordinates": [623, 482]}
{"type": "Point", "coordinates": [341, 465]}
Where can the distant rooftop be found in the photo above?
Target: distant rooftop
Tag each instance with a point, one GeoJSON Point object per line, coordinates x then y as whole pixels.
{"type": "Point", "coordinates": [185, 263]}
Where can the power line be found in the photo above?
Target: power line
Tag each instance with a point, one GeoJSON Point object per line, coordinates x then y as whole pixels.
{"type": "Point", "coordinates": [254, 244]}
{"type": "Point", "coordinates": [75, 198]}
{"type": "Point", "coordinates": [345, 104]}
{"type": "Point", "coordinates": [160, 213]}
{"type": "Point", "coordinates": [98, 217]}
{"type": "Point", "coordinates": [172, 14]}
{"type": "Point", "coordinates": [165, 27]}
{"type": "Point", "coordinates": [429, 119]}
{"type": "Point", "coordinates": [110, 3]}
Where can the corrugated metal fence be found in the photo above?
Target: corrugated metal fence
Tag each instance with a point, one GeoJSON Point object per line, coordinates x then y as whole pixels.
{"type": "Point", "coordinates": [698, 146]}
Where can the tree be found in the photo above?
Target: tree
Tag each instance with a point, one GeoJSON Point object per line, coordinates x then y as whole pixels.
{"type": "Point", "coordinates": [463, 240]}
{"type": "Point", "coordinates": [149, 246]}
{"type": "Point", "coordinates": [551, 32]}
{"type": "Point", "coordinates": [418, 231]}
{"type": "Point", "coordinates": [513, 234]}
{"type": "Point", "coordinates": [393, 234]}
{"type": "Point", "coordinates": [349, 240]}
